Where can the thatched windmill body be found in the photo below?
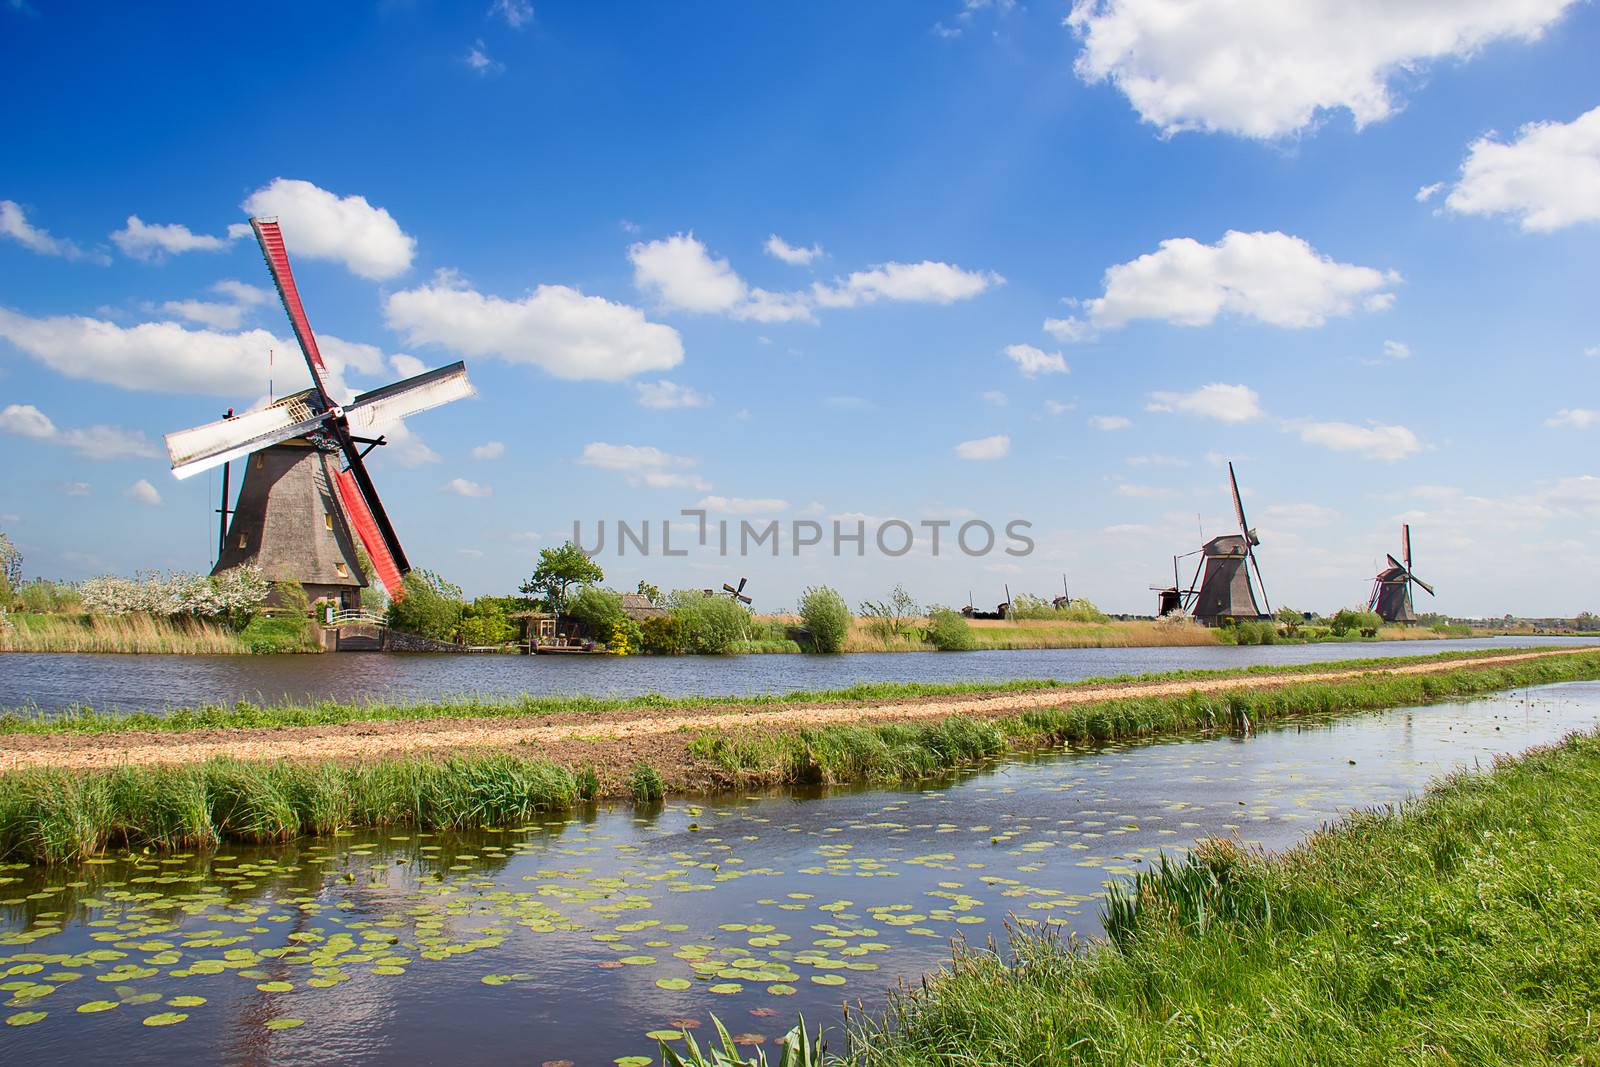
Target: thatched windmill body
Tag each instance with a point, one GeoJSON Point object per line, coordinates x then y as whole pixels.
{"type": "Point", "coordinates": [1221, 588]}
{"type": "Point", "coordinates": [1391, 588]}
{"type": "Point", "coordinates": [300, 513]}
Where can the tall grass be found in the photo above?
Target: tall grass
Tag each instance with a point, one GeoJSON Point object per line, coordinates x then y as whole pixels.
{"type": "Point", "coordinates": [1045, 632]}
{"type": "Point", "coordinates": [118, 633]}
{"type": "Point", "coordinates": [1459, 928]}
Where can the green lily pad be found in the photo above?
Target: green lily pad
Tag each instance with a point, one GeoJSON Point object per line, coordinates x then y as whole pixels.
{"type": "Point", "coordinates": [186, 1002]}
{"type": "Point", "coordinates": [828, 979]}
{"type": "Point", "coordinates": [90, 1007]}
{"type": "Point", "coordinates": [25, 1018]}
{"type": "Point", "coordinates": [165, 1018]}
{"type": "Point", "coordinates": [275, 987]}
{"type": "Point", "coordinates": [284, 1022]}
{"type": "Point", "coordinates": [673, 983]}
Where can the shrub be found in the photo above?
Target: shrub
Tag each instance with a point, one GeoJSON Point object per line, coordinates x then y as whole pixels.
{"type": "Point", "coordinates": [1024, 606]}
{"type": "Point", "coordinates": [1250, 632]}
{"type": "Point", "coordinates": [646, 784]}
{"type": "Point", "coordinates": [41, 597]}
{"type": "Point", "coordinates": [1348, 620]}
{"type": "Point", "coordinates": [597, 610]}
{"type": "Point", "coordinates": [233, 596]}
{"type": "Point", "coordinates": [712, 625]}
{"type": "Point", "coordinates": [663, 635]}
{"type": "Point", "coordinates": [625, 637]}
{"type": "Point", "coordinates": [949, 631]}
{"type": "Point", "coordinates": [431, 607]}
{"type": "Point", "coordinates": [826, 616]}
{"type": "Point", "coordinates": [487, 620]}
{"type": "Point", "coordinates": [891, 618]}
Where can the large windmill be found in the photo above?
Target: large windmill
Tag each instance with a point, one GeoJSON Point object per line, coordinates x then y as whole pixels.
{"type": "Point", "coordinates": [297, 506]}
{"type": "Point", "coordinates": [1391, 589]}
{"type": "Point", "coordinates": [1221, 587]}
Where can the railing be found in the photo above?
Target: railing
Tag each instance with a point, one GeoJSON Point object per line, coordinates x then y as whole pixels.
{"type": "Point", "coordinates": [347, 617]}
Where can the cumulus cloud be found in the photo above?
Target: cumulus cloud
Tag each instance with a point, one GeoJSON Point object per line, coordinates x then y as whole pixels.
{"type": "Point", "coordinates": [1396, 350]}
{"type": "Point", "coordinates": [1547, 178]}
{"type": "Point", "coordinates": [1298, 516]}
{"type": "Point", "coordinates": [318, 224]}
{"type": "Point", "coordinates": [76, 489]}
{"type": "Point", "coordinates": [739, 505]}
{"type": "Point", "coordinates": [1109, 422]}
{"type": "Point", "coordinates": [558, 329]}
{"type": "Point", "coordinates": [143, 492]}
{"type": "Point", "coordinates": [477, 58]}
{"type": "Point", "coordinates": [1266, 69]}
{"type": "Point", "coordinates": [514, 13]}
{"type": "Point", "coordinates": [489, 450]}
{"type": "Point", "coordinates": [168, 357]}
{"type": "Point", "coordinates": [778, 248]}
{"type": "Point", "coordinates": [644, 465]}
{"type": "Point", "coordinates": [681, 274]}
{"type": "Point", "coordinates": [91, 442]}
{"type": "Point", "coordinates": [985, 448]}
{"type": "Point", "coordinates": [25, 420]}
{"type": "Point", "coordinates": [1225, 403]}
{"type": "Point", "coordinates": [1032, 362]}
{"type": "Point", "coordinates": [142, 240]}
{"type": "Point", "coordinates": [1428, 192]}
{"type": "Point", "coordinates": [1374, 441]}
{"type": "Point", "coordinates": [406, 447]}
{"type": "Point", "coordinates": [1271, 277]}
{"type": "Point", "coordinates": [664, 394]}
{"type": "Point", "coordinates": [15, 225]}
{"type": "Point", "coordinates": [927, 282]}
{"type": "Point", "coordinates": [407, 366]}
{"type": "Point", "coordinates": [465, 487]}
{"type": "Point", "coordinates": [217, 315]}
{"type": "Point", "coordinates": [1571, 418]}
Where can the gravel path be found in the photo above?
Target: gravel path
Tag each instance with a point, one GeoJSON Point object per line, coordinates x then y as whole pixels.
{"type": "Point", "coordinates": [616, 738]}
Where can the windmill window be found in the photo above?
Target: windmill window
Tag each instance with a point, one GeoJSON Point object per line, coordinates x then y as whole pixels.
{"type": "Point", "coordinates": [244, 541]}
{"type": "Point", "coordinates": [343, 571]}
{"type": "Point", "coordinates": [327, 519]}
{"type": "Point", "coordinates": [260, 459]}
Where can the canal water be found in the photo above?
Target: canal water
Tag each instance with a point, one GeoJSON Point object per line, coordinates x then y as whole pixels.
{"type": "Point", "coordinates": [151, 683]}
{"type": "Point", "coordinates": [574, 941]}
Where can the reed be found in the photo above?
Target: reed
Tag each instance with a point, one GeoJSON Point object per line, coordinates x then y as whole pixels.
{"type": "Point", "coordinates": [118, 633]}
{"type": "Point", "coordinates": [1456, 928]}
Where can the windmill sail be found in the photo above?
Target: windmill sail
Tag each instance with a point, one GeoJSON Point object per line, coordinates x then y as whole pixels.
{"type": "Point", "coordinates": [390, 571]}
{"type": "Point", "coordinates": [381, 407]}
{"type": "Point", "coordinates": [215, 443]}
{"type": "Point", "coordinates": [270, 237]}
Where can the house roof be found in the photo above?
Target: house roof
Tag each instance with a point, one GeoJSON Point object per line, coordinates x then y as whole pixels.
{"type": "Point", "coordinates": [638, 606]}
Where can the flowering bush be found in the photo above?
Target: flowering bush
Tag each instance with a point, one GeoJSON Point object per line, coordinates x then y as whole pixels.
{"type": "Point", "coordinates": [233, 595]}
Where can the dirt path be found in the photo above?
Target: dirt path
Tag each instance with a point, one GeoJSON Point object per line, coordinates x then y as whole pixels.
{"type": "Point", "coordinates": [616, 738]}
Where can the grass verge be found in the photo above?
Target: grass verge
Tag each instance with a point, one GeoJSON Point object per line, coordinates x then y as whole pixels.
{"type": "Point", "coordinates": [1461, 927]}
{"type": "Point", "coordinates": [248, 715]}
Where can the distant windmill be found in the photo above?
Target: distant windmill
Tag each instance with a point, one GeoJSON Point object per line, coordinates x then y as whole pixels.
{"type": "Point", "coordinates": [1221, 587]}
{"type": "Point", "coordinates": [736, 594]}
{"type": "Point", "coordinates": [296, 508]}
{"type": "Point", "coordinates": [1391, 589]}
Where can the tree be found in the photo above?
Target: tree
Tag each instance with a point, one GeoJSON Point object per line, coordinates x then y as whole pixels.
{"type": "Point", "coordinates": [826, 616]}
{"type": "Point", "coordinates": [558, 569]}
{"type": "Point", "coordinates": [431, 607]}
{"type": "Point", "coordinates": [891, 617]}
{"type": "Point", "coordinates": [949, 631]}
{"type": "Point", "coordinates": [650, 592]}
{"type": "Point", "coordinates": [10, 569]}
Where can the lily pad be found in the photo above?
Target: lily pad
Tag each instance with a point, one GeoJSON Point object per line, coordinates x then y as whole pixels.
{"type": "Point", "coordinates": [284, 1022]}
{"type": "Point", "coordinates": [165, 1018]}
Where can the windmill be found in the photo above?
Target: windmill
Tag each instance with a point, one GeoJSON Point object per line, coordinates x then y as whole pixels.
{"type": "Point", "coordinates": [296, 506]}
{"type": "Point", "coordinates": [1391, 589]}
{"type": "Point", "coordinates": [736, 594]}
{"type": "Point", "coordinates": [1221, 587]}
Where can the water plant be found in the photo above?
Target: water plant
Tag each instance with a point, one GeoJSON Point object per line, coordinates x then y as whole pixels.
{"type": "Point", "coordinates": [800, 1049]}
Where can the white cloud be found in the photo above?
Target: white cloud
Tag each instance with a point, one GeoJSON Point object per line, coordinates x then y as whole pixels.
{"type": "Point", "coordinates": [926, 282]}
{"type": "Point", "coordinates": [1265, 68]}
{"type": "Point", "coordinates": [1145, 492]}
{"type": "Point", "coordinates": [664, 394]}
{"type": "Point", "coordinates": [489, 450]}
{"type": "Point", "coordinates": [142, 240]}
{"type": "Point", "coordinates": [75, 489]}
{"type": "Point", "coordinates": [477, 58]}
{"type": "Point", "coordinates": [1056, 407]}
{"type": "Point", "coordinates": [143, 492]}
{"type": "Point", "coordinates": [644, 465]}
{"type": "Point", "coordinates": [1549, 177]}
{"type": "Point", "coordinates": [318, 224]}
{"type": "Point", "coordinates": [1226, 403]}
{"type": "Point", "coordinates": [1272, 277]}
{"type": "Point", "coordinates": [464, 487]}
{"type": "Point", "coordinates": [994, 398]}
{"type": "Point", "coordinates": [1032, 362]}
{"type": "Point", "coordinates": [407, 366]}
{"type": "Point", "coordinates": [15, 225]}
{"type": "Point", "coordinates": [778, 248]}
{"type": "Point", "coordinates": [168, 357]}
{"type": "Point", "coordinates": [240, 293]}
{"type": "Point", "coordinates": [218, 316]}
{"type": "Point", "coordinates": [1592, 350]}
{"type": "Point", "coordinates": [515, 13]}
{"type": "Point", "coordinates": [1109, 422]}
{"type": "Point", "coordinates": [1375, 441]}
{"type": "Point", "coordinates": [1298, 516]}
{"type": "Point", "coordinates": [406, 447]}
{"type": "Point", "coordinates": [1427, 192]}
{"type": "Point", "coordinates": [1571, 418]}
{"type": "Point", "coordinates": [984, 448]}
{"type": "Point", "coordinates": [681, 274]}
{"type": "Point", "coordinates": [92, 442]}
{"type": "Point", "coordinates": [556, 328]}
{"type": "Point", "coordinates": [738, 505]}
{"type": "Point", "coordinates": [1396, 350]}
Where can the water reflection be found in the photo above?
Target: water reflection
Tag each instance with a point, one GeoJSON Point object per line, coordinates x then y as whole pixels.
{"type": "Point", "coordinates": [576, 938]}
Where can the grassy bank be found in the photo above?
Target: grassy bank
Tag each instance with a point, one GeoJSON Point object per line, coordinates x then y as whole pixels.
{"type": "Point", "coordinates": [148, 634]}
{"type": "Point", "coordinates": [52, 816]}
{"type": "Point", "coordinates": [889, 753]}
{"type": "Point", "coordinates": [1460, 928]}
{"type": "Point", "coordinates": [247, 715]}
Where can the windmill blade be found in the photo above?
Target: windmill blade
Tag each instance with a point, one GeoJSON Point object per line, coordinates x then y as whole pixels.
{"type": "Point", "coordinates": [270, 238]}
{"type": "Point", "coordinates": [405, 398]}
{"type": "Point", "coordinates": [1428, 588]}
{"type": "Point", "coordinates": [1238, 510]}
{"type": "Point", "coordinates": [741, 585]}
{"type": "Point", "coordinates": [726, 588]}
{"type": "Point", "coordinates": [361, 518]}
{"type": "Point", "coordinates": [1262, 582]}
{"type": "Point", "coordinates": [741, 596]}
{"type": "Point", "coordinates": [203, 447]}
{"type": "Point", "coordinates": [1396, 563]}
{"type": "Point", "coordinates": [1405, 540]}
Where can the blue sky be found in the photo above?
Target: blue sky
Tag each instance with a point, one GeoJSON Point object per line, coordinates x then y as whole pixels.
{"type": "Point", "coordinates": [1038, 261]}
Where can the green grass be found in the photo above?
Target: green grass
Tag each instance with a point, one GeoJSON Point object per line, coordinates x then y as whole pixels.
{"type": "Point", "coordinates": [145, 634]}
{"type": "Point", "coordinates": [244, 714]}
{"type": "Point", "coordinates": [1460, 928]}
{"type": "Point", "coordinates": [897, 752]}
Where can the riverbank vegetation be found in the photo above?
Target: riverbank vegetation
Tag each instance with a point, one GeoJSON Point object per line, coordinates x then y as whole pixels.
{"type": "Point", "coordinates": [50, 815]}
{"type": "Point", "coordinates": [1460, 927]}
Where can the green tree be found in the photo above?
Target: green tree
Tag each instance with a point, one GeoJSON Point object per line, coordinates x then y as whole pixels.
{"type": "Point", "coordinates": [559, 569]}
{"type": "Point", "coordinates": [599, 610]}
{"type": "Point", "coordinates": [1291, 621]}
{"type": "Point", "coordinates": [650, 592]}
{"type": "Point", "coordinates": [949, 631]}
{"type": "Point", "coordinates": [891, 617]}
{"type": "Point", "coordinates": [431, 607]}
{"type": "Point", "coordinates": [712, 625]}
{"type": "Point", "coordinates": [826, 617]}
